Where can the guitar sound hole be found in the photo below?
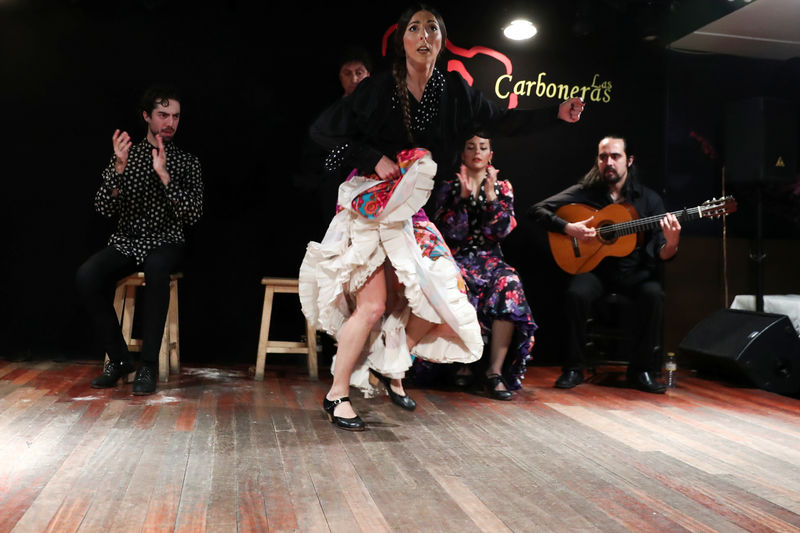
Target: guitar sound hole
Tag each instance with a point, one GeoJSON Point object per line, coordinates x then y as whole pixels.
{"type": "Point", "coordinates": [605, 234]}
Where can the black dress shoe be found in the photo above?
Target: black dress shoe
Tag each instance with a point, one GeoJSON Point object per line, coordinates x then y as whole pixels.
{"type": "Point", "coordinates": [492, 382]}
{"type": "Point", "coordinates": [569, 379]}
{"type": "Point", "coordinates": [145, 381]}
{"type": "Point", "coordinates": [460, 379]}
{"type": "Point", "coordinates": [403, 400]}
{"type": "Point", "coordinates": [643, 381]}
{"type": "Point", "coordinates": [350, 424]}
{"type": "Point", "coordinates": [112, 372]}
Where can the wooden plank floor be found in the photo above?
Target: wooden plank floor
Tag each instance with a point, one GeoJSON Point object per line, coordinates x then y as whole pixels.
{"type": "Point", "coordinates": [215, 451]}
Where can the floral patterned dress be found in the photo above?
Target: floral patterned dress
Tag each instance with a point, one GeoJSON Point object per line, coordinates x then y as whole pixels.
{"type": "Point", "coordinates": [473, 228]}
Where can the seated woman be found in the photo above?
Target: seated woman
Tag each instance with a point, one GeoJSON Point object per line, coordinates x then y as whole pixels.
{"type": "Point", "coordinates": [474, 213]}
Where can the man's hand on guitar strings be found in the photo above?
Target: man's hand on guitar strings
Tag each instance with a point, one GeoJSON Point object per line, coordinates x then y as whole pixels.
{"type": "Point", "coordinates": [581, 230]}
{"type": "Point", "coordinates": [672, 234]}
{"type": "Point", "coordinates": [671, 228]}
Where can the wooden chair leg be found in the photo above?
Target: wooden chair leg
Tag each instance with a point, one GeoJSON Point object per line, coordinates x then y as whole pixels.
{"type": "Point", "coordinates": [311, 334]}
{"type": "Point", "coordinates": [174, 332]}
{"type": "Point", "coordinates": [127, 313]}
{"type": "Point", "coordinates": [119, 301]}
{"type": "Point", "coordinates": [163, 355]}
{"type": "Point", "coordinates": [266, 315]}
{"type": "Point", "coordinates": [128, 308]}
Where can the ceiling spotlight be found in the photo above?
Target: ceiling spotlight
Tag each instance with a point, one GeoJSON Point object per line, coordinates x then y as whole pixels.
{"type": "Point", "coordinates": [519, 30]}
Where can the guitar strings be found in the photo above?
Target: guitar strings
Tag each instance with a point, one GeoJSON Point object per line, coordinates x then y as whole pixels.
{"type": "Point", "coordinates": [634, 226]}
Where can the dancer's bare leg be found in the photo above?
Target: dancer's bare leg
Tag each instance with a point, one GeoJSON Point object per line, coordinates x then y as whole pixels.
{"type": "Point", "coordinates": [393, 300]}
{"type": "Point", "coordinates": [370, 305]}
{"type": "Point", "coordinates": [416, 329]}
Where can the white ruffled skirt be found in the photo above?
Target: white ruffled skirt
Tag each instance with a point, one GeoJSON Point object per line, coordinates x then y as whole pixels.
{"type": "Point", "coordinates": [356, 244]}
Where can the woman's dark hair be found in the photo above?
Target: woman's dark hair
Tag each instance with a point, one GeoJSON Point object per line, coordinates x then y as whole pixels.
{"type": "Point", "coordinates": [399, 64]}
{"type": "Point", "coordinates": [479, 133]}
{"type": "Point", "coordinates": [158, 95]}
{"type": "Point", "coordinates": [402, 24]}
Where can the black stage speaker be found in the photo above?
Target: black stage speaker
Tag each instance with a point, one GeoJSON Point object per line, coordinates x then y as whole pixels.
{"type": "Point", "coordinates": [764, 348]}
{"type": "Point", "coordinates": [761, 141]}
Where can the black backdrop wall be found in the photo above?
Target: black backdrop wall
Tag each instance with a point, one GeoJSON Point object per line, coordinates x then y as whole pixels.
{"type": "Point", "coordinates": [254, 77]}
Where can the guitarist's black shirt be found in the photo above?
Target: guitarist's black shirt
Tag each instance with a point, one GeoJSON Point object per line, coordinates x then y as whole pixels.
{"type": "Point", "coordinates": [641, 264]}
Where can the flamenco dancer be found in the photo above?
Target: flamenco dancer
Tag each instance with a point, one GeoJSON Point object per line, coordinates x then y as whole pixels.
{"type": "Point", "coordinates": [382, 280]}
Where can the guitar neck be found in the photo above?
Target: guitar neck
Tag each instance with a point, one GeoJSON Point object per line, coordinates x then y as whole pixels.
{"type": "Point", "coordinates": [643, 224]}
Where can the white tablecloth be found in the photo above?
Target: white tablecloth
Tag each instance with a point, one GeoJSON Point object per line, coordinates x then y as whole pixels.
{"type": "Point", "coordinates": [781, 304]}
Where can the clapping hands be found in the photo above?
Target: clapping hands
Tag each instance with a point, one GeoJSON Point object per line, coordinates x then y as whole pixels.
{"type": "Point", "coordinates": [160, 161]}
{"type": "Point", "coordinates": [121, 142]}
{"type": "Point", "coordinates": [489, 183]}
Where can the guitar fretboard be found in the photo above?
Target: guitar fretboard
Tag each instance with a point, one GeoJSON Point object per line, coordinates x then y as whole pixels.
{"type": "Point", "coordinates": [643, 224]}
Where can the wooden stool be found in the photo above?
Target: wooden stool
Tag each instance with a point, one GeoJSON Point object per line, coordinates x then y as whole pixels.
{"type": "Point", "coordinates": [265, 346]}
{"type": "Point", "coordinates": [125, 304]}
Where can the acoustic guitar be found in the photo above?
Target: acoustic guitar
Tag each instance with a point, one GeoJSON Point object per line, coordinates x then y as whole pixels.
{"type": "Point", "coordinates": [617, 226]}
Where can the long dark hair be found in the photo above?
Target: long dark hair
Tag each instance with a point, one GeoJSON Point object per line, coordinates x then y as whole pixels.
{"type": "Point", "coordinates": [399, 70]}
{"type": "Point", "coordinates": [594, 178]}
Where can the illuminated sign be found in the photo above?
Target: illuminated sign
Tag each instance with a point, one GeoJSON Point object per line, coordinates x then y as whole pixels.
{"type": "Point", "coordinates": [506, 87]}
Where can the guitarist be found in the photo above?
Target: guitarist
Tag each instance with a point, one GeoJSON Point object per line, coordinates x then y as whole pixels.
{"type": "Point", "coordinates": [637, 275]}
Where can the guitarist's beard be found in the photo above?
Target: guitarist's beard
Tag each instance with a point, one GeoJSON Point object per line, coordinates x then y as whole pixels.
{"type": "Point", "coordinates": [612, 177]}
